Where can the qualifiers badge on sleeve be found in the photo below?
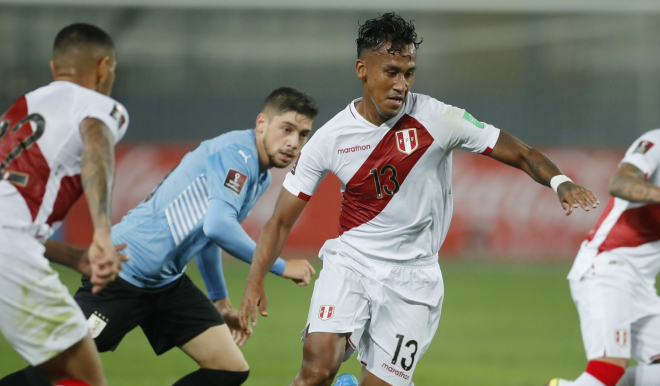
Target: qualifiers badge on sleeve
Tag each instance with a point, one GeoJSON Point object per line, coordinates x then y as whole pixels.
{"type": "Point", "coordinates": [643, 147]}
{"type": "Point", "coordinates": [235, 181]}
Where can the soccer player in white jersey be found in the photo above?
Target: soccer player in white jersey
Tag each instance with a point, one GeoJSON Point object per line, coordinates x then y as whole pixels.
{"type": "Point", "coordinates": [55, 143]}
{"type": "Point", "coordinates": [613, 278]}
{"type": "Point", "coordinates": [381, 290]}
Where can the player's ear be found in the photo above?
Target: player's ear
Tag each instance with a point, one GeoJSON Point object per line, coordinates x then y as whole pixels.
{"type": "Point", "coordinates": [261, 122]}
{"type": "Point", "coordinates": [52, 68]}
{"type": "Point", "coordinates": [102, 70]}
{"type": "Point", "coordinates": [361, 70]}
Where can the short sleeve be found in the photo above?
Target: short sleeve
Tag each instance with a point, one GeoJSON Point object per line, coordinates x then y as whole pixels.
{"type": "Point", "coordinates": [309, 169]}
{"type": "Point", "coordinates": [105, 109]}
{"type": "Point", "coordinates": [458, 129]}
{"type": "Point", "coordinates": [644, 153]}
{"type": "Point", "coordinates": [228, 175]}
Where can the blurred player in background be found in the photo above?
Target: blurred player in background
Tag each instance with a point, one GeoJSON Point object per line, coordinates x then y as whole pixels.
{"type": "Point", "coordinates": [381, 290]}
{"type": "Point", "coordinates": [56, 142]}
{"type": "Point", "coordinates": [613, 278]}
{"type": "Point", "coordinates": [196, 211]}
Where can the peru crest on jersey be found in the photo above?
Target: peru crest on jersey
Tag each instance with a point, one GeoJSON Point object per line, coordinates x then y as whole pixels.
{"type": "Point", "coordinates": [406, 140]}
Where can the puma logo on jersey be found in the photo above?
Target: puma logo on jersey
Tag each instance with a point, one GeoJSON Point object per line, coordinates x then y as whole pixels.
{"type": "Point", "coordinates": [353, 149]}
{"type": "Point", "coordinates": [241, 152]}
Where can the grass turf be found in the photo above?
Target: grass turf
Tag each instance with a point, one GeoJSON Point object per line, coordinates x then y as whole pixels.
{"type": "Point", "coordinates": [502, 324]}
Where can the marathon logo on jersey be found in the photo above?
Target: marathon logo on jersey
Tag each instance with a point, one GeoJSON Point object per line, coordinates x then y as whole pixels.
{"type": "Point", "coordinates": [353, 149]}
{"type": "Point", "coordinates": [395, 371]}
{"type": "Point", "coordinates": [621, 337]}
{"type": "Point", "coordinates": [97, 323]}
{"type": "Point", "coordinates": [643, 147]}
{"type": "Point", "coordinates": [235, 181]}
{"type": "Point", "coordinates": [406, 140]}
{"type": "Point", "coordinates": [118, 114]}
{"type": "Point", "coordinates": [326, 312]}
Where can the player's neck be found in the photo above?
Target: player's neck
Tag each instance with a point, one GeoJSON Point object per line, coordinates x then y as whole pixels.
{"type": "Point", "coordinates": [80, 81]}
{"type": "Point", "coordinates": [264, 161]}
{"type": "Point", "coordinates": [368, 111]}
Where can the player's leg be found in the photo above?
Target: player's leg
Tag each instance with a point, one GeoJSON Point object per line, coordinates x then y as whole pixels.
{"type": "Point", "coordinates": [40, 319]}
{"type": "Point", "coordinates": [185, 317]}
{"type": "Point", "coordinates": [607, 308]}
{"type": "Point", "coordinates": [323, 354]}
{"type": "Point", "coordinates": [645, 343]}
{"type": "Point", "coordinates": [406, 308]}
{"type": "Point", "coordinates": [368, 379]}
{"type": "Point", "coordinates": [338, 313]}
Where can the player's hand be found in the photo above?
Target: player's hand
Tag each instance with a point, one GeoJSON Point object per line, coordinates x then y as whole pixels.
{"type": "Point", "coordinates": [300, 271]}
{"type": "Point", "coordinates": [104, 259]}
{"type": "Point", "coordinates": [572, 196]}
{"type": "Point", "coordinates": [230, 315]}
{"type": "Point", "coordinates": [254, 298]}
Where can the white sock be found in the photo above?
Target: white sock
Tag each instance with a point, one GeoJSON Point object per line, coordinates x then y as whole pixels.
{"type": "Point", "coordinates": [587, 379]}
{"type": "Point", "coordinates": [648, 375]}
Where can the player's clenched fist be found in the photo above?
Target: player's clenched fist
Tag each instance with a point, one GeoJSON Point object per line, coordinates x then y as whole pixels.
{"type": "Point", "coordinates": [254, 298]}
{"type": "Point", "coordinates": [574, 196]}
{"type": "Point", "coordinates": [104, 259]}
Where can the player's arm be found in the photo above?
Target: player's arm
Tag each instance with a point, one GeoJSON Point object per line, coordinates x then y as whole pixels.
{"type": "Point", "coordinates": [270, 244]}
{"type": "Point", "coordinates": [221, 225]}
{"type": "Point", "coordinates": [209, 262]}
{"type": "Point", "coordinates": [70, 256]}
{"type": "Point", "coordinates": [97, 172]}
{"type": "Point", "coordinates": [629, 183]}
{"type": "Point", "coordinates": [513, 152]}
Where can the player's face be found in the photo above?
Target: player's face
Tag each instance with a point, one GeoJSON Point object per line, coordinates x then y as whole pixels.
{"type": "Point", "coordinates": [386, 79]}
{"type": "Point", "coordinates": [282, 137]}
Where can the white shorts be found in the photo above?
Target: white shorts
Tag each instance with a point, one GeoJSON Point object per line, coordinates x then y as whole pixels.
{"type": "Point", "coordinates": [391, 310]}
{"type": "Point", "coordinates": [38, 316]}
{"type": "Point", "coordinates": [619, 310]}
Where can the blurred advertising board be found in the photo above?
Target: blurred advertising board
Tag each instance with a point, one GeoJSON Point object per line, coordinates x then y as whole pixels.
{"type": "Point", "coordinates": [499, 212]}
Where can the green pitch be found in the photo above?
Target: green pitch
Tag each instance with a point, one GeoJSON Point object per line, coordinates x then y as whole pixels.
{"type": "Point", "coordinates": [502, 324]}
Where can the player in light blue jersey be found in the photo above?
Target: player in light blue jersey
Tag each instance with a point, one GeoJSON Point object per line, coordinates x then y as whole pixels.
{"type": "Point", "coordinates": [196, 211]}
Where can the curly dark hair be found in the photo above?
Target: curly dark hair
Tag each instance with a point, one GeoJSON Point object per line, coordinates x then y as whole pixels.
{"type": "Point", "coordinates": [387, 28]}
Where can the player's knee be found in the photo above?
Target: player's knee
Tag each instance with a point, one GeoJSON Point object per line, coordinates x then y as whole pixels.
{"type": "Point", "coordinates": [318, 374]}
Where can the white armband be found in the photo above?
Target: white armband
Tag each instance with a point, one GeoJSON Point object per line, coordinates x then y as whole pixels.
{"type": "Point", "coordinates": [558, 180]}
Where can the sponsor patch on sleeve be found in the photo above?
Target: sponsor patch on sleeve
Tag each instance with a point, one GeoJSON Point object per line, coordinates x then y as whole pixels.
{"type": "Point", "coordinates": [468, 117]}
{"type": "Point", "coordinates": [643, 147]}
{"type": "Point", "coordinates": [235, 181]}
{"type": "Point", "coordinates": [118, 114]}
{"type": "Point", "coordinates": [295, 164]}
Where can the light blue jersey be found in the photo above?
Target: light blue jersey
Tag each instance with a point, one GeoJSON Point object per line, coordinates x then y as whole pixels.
{"type": "Point", "coordinates": [195, 211]}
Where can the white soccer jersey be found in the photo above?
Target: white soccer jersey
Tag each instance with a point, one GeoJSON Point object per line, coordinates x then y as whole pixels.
{"type": "Point", "coordinates": [395, 178]}
{"type": "Point", "coordinates": [631, 230]}
{"type": "Point", "coordinates": [40, 152]}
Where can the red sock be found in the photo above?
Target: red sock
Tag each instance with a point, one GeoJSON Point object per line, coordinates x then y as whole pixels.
{"type": "Point", "coordinates": [605, 372]}
{"type": "Point", "coordinates": [72, 382]}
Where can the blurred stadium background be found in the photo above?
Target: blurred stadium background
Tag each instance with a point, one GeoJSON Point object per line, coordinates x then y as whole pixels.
{"type": "Point", "coordinates": [579, 79]}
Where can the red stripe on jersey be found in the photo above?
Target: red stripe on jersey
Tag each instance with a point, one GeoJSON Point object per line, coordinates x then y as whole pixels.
{"type": "Point", "coordinates": [360, 202]}
{"type": "Point", "coordinates": [487, 151]}
{"type": "Point", "coordinates": [30, 162]}
{"type": "Point", "coordinates": [603, 216]}
{"type": "Point", "coordinates": [634, 227]}
{"type": "Point", "coordinates": [304, 196]}
{"type": "Point", "coordinates": [70, 190]}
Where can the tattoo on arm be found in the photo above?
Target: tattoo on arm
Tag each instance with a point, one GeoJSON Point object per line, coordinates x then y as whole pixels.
{"type": "Point", "coordinates": [513, 152]}
{"type": "Point", "coordinates": [629, 183]}
{"type": "Point", "coordinates": [97, 169]}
